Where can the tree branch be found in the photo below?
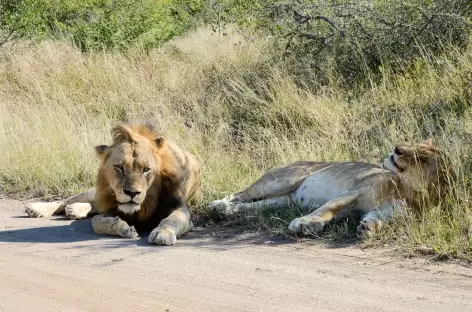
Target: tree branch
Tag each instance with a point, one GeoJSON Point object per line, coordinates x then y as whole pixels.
{"type": "Point", "coordinates": [302, 18]}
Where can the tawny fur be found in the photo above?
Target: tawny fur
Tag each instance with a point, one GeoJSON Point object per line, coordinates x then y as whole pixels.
{"type": "Point", "coordinates": [143, 184]}
{"type": "Point", "coordinates": [413, 175]}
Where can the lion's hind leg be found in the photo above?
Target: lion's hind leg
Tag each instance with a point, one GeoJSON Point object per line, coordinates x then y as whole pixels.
{"type": "Point", "coordinates": [272, 189]}
{"type": "Point", "coordinates": [81, 205]}
{"type": "Point", "coordinates": [44, 210]}
{"type": "Point", "coordinates": [229, 206]}
{"type": "Point", "coordinates": [76, 207]}
{"type": "Point", "coordinates": [225, 205]}
{"type": "Point", "coordinates": [77, 211]}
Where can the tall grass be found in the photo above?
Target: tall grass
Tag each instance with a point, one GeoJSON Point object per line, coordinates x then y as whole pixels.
{"type": "Point", "coordinates": [228, 100]}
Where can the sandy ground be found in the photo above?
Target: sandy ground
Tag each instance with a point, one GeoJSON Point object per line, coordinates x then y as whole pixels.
{"type": "Point", "coordinates": [61, 265]}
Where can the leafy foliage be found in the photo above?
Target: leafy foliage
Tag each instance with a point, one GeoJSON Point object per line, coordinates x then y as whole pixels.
{"type": "Point", "coordinates": [21, 18]}
{"type": "Point", "coordinates": [321, 39]}
{"type": "Point", "coordinates": [119, 24]}
{"type": "Point", "coordinates": [100, 24]}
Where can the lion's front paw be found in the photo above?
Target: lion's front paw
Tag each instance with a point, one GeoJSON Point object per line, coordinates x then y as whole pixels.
{"type": "Point", "coordinates": [306, 225]}
{"type": "Point", "coordinates": [128, 232]}
{"type": "Point", "coordinates": [78, 210]}
{"type": "Point", "coordinates": [42, 210]}
{"type": "Point", "coordinates": [164, 236]}
{"type": "Point", "coordinates": [367, 228]}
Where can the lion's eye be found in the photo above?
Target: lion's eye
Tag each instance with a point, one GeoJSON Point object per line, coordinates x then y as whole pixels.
{"type": "Point", "coordinates": [146, 169]}
{"type": "Point", "coordinates": [119, 167]}
{"type": "Point", "coordinates": [398, 152]}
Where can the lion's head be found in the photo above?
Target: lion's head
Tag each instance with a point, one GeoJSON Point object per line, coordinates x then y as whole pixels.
{"type": "Point", "coordinates": [131, 166]}
{"type": "Point", "coordinates": [422, 168]}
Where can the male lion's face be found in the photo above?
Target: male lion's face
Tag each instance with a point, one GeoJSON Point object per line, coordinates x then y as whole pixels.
{"type": "Point", "coordinates": [416, 164]}
{"type": "Point", "coordinates": [130, 169]}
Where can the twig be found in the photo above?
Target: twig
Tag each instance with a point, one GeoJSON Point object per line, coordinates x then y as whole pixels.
{"type": "Point", "coordinates": [10, 34]}
{"type": "Point", "coordinates": [277, 218]}
{"type": "Point", "coordinates": [303, 18]}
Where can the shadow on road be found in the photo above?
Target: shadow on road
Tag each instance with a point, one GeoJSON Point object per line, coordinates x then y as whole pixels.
{"type": "Point", "coordinates": [73, 232]}
{"type": "Point", "coordinates": [215, 237]}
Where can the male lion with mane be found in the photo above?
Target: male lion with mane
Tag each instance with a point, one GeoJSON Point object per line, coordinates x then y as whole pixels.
{"type": "Point", "coordinates": [143, 184]}
{"type": "Point", "coordinates": [412, 175]}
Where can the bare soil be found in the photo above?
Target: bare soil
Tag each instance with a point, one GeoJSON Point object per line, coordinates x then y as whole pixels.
{"type": "Point", "coordinates": [61, 265]}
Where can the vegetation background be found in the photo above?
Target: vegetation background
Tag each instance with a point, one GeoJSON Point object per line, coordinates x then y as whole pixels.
{"type": "Point", "coordinates": [246, 85]}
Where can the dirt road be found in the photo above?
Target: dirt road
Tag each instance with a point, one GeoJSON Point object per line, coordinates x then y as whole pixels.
{"type": "Point", "coordinates": [61, 265]}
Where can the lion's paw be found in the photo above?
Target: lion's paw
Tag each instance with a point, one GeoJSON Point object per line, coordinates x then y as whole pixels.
{"type": "Point", "coordinates": [224, 206]}
{"type": "Point", "coordinates": [42, 210]}
{"type": "Point", "coordinates": [367, 228]}
{"type": "Point", "coordinates": [220, 205]}
{"type": "Point", "coordinates": [165, 236]}
{"type": "Point", "coordinates": [78, 210]}
{"type": "Point", "coordinates": [306, 225]}
{"type": "Point", "coordinates": [128, 232]}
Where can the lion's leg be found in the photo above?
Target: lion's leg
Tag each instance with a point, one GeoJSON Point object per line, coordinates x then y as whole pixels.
{"type": "Point", "coordinates": [224, 205]}
{"type": "Point", "coordinates": [172, 227]}
{"type": "Point", "coordinates": [235, 206]}
{"type": "Point", "coordinates": [77, 206]}
{"type": "Point", "coordinates": [315, 221]}
{"type": "Point", "coordinates": [108, 225]}
{"type": "Point", "coordinates": [81, 205]}
{"type": "Point", "coordinates": [275, 183]}
{"type": "Point", "coordinates": [43, 210]}
{"type": "Point", "coordinates": [375, 219]}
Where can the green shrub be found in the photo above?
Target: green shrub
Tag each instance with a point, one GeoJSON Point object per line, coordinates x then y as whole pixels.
{"type": "Point", "coordinates": [21, 18]}
{"type": "Point", "coordinates": [97, 24]}
{"type": "Point", "coordinates": [100, 24]}
{"type": "Point", "coordinates": [349, 41]}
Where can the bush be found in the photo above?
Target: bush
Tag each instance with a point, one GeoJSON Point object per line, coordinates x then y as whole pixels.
{"type": "Point", "coordinates": [97, 24]}
{"type": "Point", "coordinates": [101, 24]}
{"type": "Point", "coordinates": [322, 39]}
{"type": "Point", "coordinates": [21, 18]}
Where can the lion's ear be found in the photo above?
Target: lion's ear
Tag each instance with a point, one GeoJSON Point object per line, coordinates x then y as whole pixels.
{"type": "Point", "coordinates": [429, 142]}
{"type": "Point", "coordinates": [159, 141]}
{"type": "Point", "coordinates": [121, 133]}
{"type": "Point", "coordinates": [101, 149]}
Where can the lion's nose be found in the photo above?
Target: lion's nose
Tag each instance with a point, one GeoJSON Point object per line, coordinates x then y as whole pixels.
{"type": "Point", "coordinates": [131, 193]}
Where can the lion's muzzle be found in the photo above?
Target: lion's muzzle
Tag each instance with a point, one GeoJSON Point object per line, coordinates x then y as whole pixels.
{"type": "Point", "coordinates": [129, 207]}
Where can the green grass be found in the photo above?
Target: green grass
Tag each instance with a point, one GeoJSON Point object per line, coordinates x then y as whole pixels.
{"type": "Point", "coordinates": [228, 100]}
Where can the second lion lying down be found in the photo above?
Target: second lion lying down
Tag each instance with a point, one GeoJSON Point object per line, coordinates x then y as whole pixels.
{"type": "Point", "coordinates": [143, 184]}
{"type": "Point", "coordinates": [412, 174]}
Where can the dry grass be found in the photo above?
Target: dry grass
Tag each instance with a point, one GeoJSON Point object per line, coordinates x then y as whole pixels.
{"type": "Point", "coordinates": [228, 101]}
